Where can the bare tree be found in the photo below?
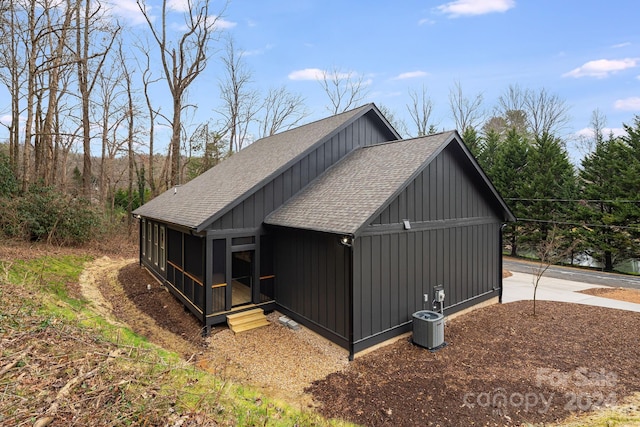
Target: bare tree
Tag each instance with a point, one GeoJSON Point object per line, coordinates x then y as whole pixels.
{"type": "Point", "coordinates": [182, 61]}
{"type": "Point", "coordinates": [420, 111]}
{"type": "Point", "coordinates": [467, 112]}
{"type": "Point", "coordinates": [109, 116]}
{"type": "Point", "coordinates": [512, 99]}
{"type": "Point", "coordinates": [510, 113]}
{"type": "Point", "coordinates": [13, 64]}
{"type": "Point", "coordinates": [547, 114]}
{"type": "Point", "coordinates": [281, 110]}
{"type": "Point", "coordinates": [550, 251]}
{"type": "Point", "coordinates": [536, 112]}
{"type": "Point", "coordinates": [57, 40]}
{"type": "Point", "coordinates": [344, 89]}
{"type": "Point", "coordinates": [147, 81]}
{"type": "Point", "coordinates": [598, 123]}
{"type": "Point", "coordinates": [587, 143]}
{"type": "Point", "coordinates": [398, 124]}
{"type": "Point", "coordinates": [130, 113]}
{"type": "Point", "coordinates": [31, 53]}
{"type": "Point", "coordinates": [89, 22]}
{"type": "Point", "coordinates": [240, 100]}
{"type": "Point", "coordinates": [206, 149]}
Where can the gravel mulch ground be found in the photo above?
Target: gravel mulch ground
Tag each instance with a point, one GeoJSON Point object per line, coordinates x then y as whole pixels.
{"type": "Point", "coordinates": [622, 294]}
{"type": "Point", "coordinates": [501, 365]}
{"type": "Point", "coordinates": [280, 360]}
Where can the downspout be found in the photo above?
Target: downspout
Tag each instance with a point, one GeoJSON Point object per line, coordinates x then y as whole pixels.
{"type": "Point", "coordinates": [500, 240]}
{"type": "Point", "coordinates": [350, 267]}
{"type": "Point", "coordinates": [139, 239]}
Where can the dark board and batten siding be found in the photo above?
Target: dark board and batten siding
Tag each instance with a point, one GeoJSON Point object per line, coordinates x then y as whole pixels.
{"type": "Point", "coordinates": [453, 241]}
{"type": "Point", "coordinates": [176, 259]}
{"type": "Point", "coordinates": [313, 281]}
{"type": "Point", "coordinates": [251, 212]}
{"type": "Point", "coordinates": [392, 272]}
{"type": "Point", "coordinates": [442, 191]}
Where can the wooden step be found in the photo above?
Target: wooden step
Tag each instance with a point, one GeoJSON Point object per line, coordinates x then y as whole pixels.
{"type": "Point", "coordinates": [247, 320]}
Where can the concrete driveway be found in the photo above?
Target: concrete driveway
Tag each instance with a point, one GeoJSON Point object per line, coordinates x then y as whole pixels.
{"type": "Point", "coordinates": [520, 287]}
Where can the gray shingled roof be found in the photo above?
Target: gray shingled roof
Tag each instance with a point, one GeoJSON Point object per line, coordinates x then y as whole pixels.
{"type": "Point", "coordinates": [193, 204]}
{"type": "Point", "coordinates": [345, 197]}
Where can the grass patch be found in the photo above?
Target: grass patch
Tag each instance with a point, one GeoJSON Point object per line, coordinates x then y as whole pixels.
{"type": "Point", "coordinates": [66, 362]}
{"type": "Point", "coordinates": [625, 414]}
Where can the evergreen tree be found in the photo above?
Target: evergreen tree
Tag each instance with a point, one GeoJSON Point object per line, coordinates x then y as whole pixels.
{"type": "Point", "coordinates": [487, 153]}
{"type": "Point", "coordinates": [508, 175]}
{"type": "Point", "coordinates": [603, 189]}
{"type": "Point", "coordinates": [472, 141]}
{"type": "Point", "coordinates": [550, 184]}
{"type": "Point", "coordinates": [631, 179]}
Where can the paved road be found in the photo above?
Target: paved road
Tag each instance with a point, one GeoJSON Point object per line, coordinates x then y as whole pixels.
{"type": "Point", "coordinates": [575, 274]}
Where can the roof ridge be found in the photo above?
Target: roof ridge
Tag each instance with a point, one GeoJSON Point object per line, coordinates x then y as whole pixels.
{"type": "Point", "coordinates": [332, 117]}
{"type": "Point", "coordinates": [397, 141]}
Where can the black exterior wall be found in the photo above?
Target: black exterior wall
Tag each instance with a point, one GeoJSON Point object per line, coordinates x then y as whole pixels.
{"type": "Point", "coordinates": [389, 276]}
{"type": "Point", "coordinates": [393, 272]}
{"type": "Point", "coordinates": [176, 258]}
{"type": "Point", "coordinates": [362, 295]}
{"type": "Point", "coordinates": [312, 271]}
{"type": "Point", "coordinates": [453, 241]}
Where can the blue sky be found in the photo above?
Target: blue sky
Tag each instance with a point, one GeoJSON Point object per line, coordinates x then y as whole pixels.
{"type": "Point", "coordinates": [585, 51]}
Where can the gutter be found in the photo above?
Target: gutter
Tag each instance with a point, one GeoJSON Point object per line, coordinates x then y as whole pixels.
{"type": "Point", "coordinates": [500, 262]}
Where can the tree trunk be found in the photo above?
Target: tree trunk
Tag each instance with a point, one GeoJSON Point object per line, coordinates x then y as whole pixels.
{"type": "Point", "coordinates": [82, 45]}
{"type": "Point", "coordinates": [14, 131]}
{"type": "Point", "coordinates": [31, 82]}
{"type": "Point", "coordinates": [130, 146]}
{"type": "Point", "coordinates": [175, 141]}
{"type": "Point", "coordinates": [608, 261]}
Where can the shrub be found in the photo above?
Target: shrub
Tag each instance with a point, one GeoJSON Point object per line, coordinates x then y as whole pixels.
{"type": "Point", "coordinates": [121, 199]}
{"type": "Point", "coordinates": [45, 213]}
{"type": "Point", "coordinates": [8, 182]}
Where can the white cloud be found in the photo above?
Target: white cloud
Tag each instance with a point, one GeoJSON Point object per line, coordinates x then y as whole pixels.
{"type": "Point", "coordinates": [601, 68]}
{"type": "Point", "coordinates": [459, 8]}
{"type": "Point", "coordinates": [628, 104]}
{"type": "Point", "coordinates": [220, 23]}
{"type": "Point", "coordinates": [306, 74]}
{"type": "Point", "coordinates": [260, 51]}
{"type": "Point", "coordinates": [6, 119]}
{"type": "Point", "coordinates": [426, 21]}
{"type": "Point", "coordinates": [588, 132]}
{"type": "Point", "coordinates": [619, 45]}
{"type": "Point", "coordinates": [215, 24]}
{"type": "Point", "coordinates": [129, 10]}
{"type": "Point", "coordinates": [317, 74]}
{"type": "Point", "coordinates": [411, 75]}
{"type": "Point", "coordinates": [178, 5]}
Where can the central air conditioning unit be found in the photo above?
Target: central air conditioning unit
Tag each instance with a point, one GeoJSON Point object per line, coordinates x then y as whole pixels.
{"type": "Point", "coordinates": [428, 329]}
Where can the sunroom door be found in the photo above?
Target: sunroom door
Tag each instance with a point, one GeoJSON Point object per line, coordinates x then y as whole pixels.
{"type": "Point", "coordinates": [242, 277]}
